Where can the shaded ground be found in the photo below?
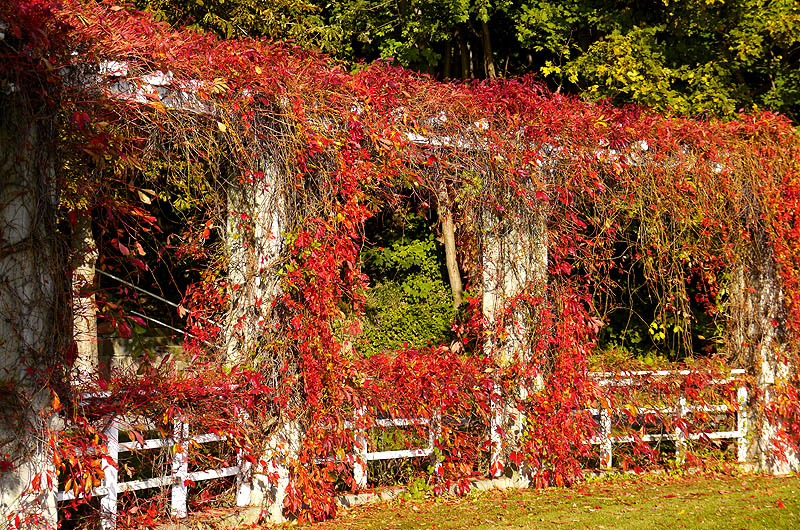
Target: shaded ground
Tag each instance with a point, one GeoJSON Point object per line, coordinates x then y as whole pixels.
{"type": "Point", "coordinates": [648, 502]}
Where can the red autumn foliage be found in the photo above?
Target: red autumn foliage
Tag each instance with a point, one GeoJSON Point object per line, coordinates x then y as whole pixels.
{"type": "Point", "coordinates": [345, 143]}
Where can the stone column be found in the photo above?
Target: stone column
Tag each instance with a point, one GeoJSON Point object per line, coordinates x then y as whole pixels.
{"type": "Point", "coordinates": [255, 244]}
{"type": "Point", "coordinates": [254, 240]}
{"type": "Point", "coordinates": [514, 254]}
{"type": "Point", "coordinates": [84, 308]}
{"type": "Point", "coordinates": [755, 338]}
{"type": "Point", "coordinates": [30, 303]}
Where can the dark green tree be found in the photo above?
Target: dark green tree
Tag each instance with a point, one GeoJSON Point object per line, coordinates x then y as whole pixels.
{"type": "Point", "coordinates": [684, 57]}
{"type": "Point", "coordinates": [301, 21]}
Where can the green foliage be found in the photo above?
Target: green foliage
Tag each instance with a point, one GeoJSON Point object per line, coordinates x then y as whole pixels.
{"type": "Point", "coordinates": [412, 32]}
{"type": "Point", "coordinates": [656, 310]}
{"type": "Point", "coordinates": [301, 21]}
{"type": "Point", "coordinates": [383, 29]}
{"type": "Point", "coordinates": [684, 57]}
{"type": "Point", "coordinates": [408, 303]}
{"type": "Point", "coordinates": [417, 490]}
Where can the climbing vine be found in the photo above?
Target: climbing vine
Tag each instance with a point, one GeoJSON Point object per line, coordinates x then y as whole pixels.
{"type": "Point", "coordinates": [238, 177]}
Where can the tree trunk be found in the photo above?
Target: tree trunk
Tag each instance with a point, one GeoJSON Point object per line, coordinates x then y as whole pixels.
{"type": "Point", "coordinates": [464, 52]}
{"type": "Point", "coordinates": [448, 52]}
{"type": "Point", "coordinates": [488, 59]}
{"type": "Point", "coordinates": [449, 241]}
{"type": "Point", "coordinates": [449, 236]}
{"type": "Point", "coordinates": [474, 61]}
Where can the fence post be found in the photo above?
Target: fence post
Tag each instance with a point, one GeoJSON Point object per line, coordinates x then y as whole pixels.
{"type": "Point", "coordinates": [607, 456]}
{"type": "Point", "coordinates": [434, 432]}
{"type": "Point", "coordinates": [496, 463]}
{"type": "Point", "coordinates": [243, 484]}
{"type": "Point", "coordinates": [108, 502]}
{"type": "Point", "coordinates": [180, 468]}
{"type": "Point", "coordinates": [244, 479]}
{"type": "Point", "coordinates": [741, 423]}
{"type": "Point", "coordinates": [680, 433]}
{"type": "Point", "coordinates": [360, 450]}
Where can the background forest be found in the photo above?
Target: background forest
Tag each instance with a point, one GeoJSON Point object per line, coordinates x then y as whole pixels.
{"type": "Point", "coordinates": [682, 57]}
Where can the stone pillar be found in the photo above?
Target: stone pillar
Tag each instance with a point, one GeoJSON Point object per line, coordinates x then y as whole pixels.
{"type": "Point", "coordinates": [30, 336]}
{"type": "Point", "coordinates": [514, 255]}
{"type": "Point", "coordinates": [255, 245]}
{"type": "Point", "coordinates": [254, 238]}
{"type": "Point", "coordinates": [267, 495]}
{"type": "Point", "coordinates": [84, 308]}
{"type": "Point", "coordinates": [755, 337]}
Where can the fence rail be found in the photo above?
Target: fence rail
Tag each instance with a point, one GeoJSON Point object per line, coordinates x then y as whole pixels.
{"type": "Point", "coordinates": [362, 455]}
{"type": "Point", "coordinates": [180, 477]}
{"type": "Point", "coordinates": [606, 440]}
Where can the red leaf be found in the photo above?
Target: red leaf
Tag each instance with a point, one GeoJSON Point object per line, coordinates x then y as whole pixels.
{"type": "Point", "coordinates": [124, 330]}
{"type": "Point", "coordinates": [139, 263]}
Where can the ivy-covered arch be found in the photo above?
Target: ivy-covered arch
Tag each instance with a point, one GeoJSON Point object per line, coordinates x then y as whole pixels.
{"type": "Point", "coordinates": [279, 158]}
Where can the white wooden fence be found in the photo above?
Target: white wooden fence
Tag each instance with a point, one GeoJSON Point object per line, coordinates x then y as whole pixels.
{"type": "Point", "coordinates": [178, 480]}
{"type": "Point", "coordinates": [362, 455]}
{"type": "Point", "coordinates": [181, 442]}
{"type": "Point", "coordinates": [606, 440]}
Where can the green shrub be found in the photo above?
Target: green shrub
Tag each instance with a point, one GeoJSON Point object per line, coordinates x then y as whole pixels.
{"type": "Point", "coordinates": [408, 303]}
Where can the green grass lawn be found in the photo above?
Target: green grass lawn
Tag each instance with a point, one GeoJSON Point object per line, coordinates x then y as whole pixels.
{"type": "Point", "coordinates": [644, 502]}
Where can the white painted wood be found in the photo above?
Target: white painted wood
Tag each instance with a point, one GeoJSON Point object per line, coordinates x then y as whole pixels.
{"type": "Point", "coordinates": [243, 481]}
{"type": "Point", "coordinates": [244, 476]}
{"type": "Point", "coordinates": [680, 433]}
{"type": "Point", "coordinates": [147, 483]}
{"type": "Point", "coordinates": [606, 453]}
{"type": "Point", "coordinates": [434, 433]}
{"type": "Point", "coordinates": [402, 422]}
{"type": "Point", "coordinates": [360, 452]}
{"type": "Point", "coordinates": [606, 441]}
{"type": "Point", "coordinates": [180, 468]}
{"type": "Point", "coordinates": [496, 461]}
{"type": "Point", "coordinates": [401, 453]}
{"type": "Point", "coordinates": [741, 423]}
{"type": "Point", "coordinates": [110, 489]}
{"type": "Point", "coordinates": [614, 376]}
{"type": "Point", "coordinates": [108, 502]}
{"type": "Point", "coordinates": [197, 476]}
